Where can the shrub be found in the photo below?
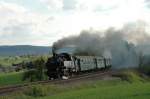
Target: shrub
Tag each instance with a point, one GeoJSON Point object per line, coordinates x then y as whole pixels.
{"type": "Point", "coordinates": [37, 73]}
{"type": "Point", "coordinates": [36, 91]}
{"type": "Point", "coordinates": [145, 69]}
{"type": "Point", "coordinates": [42, 90]}
{"type": "Point", "coordinates": [130, 76]}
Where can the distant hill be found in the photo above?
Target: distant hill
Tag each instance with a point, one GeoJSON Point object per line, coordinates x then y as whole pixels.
{"type": "Point", "coordinates": [18, 50]}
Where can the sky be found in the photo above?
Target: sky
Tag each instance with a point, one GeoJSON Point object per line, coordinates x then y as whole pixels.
{"type": "Point", "coordinates": [42, 22]}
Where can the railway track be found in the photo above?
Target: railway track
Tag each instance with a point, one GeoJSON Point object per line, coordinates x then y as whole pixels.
{"type": "Point", "coordinates": [10, 89]}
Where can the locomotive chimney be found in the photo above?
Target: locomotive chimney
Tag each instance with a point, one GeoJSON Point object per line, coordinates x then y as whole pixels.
{"type": "Point", "coordinates": [54, 50]}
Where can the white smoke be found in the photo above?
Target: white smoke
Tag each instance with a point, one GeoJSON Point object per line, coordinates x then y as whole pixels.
{"type": "Point", "coordinates": [107, 54]}
{"type": "Point", "coordinates": [121, 45]}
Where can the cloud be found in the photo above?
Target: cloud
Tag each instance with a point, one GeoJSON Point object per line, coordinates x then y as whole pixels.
{"type": "Point", "coordinates": [147, 3]}
{"type": "Point", "coordinates": [12, 18]}
{"type": "Point", "coordinates": [16, 31]}
{"type": "Point", "coordinates": [20, 26]}
{"type": "Point", "coordinates": [53, 4]}
{"type": "Point", "coordinates": [92, 5]}
{"type": "Point", "coordinates": [69, 4]}
{"type": "Point", "coordinates": [80, 5]}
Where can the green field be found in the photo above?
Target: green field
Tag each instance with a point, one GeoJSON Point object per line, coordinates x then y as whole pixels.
{"type": "Point", "coordinates": [97, 90]}
{"type": "Point", "coordinates": [14, 78]}
{"type": "Point", "coordinates": [132, 86]}
{"type": "Point", "coordinates": [11, 78]}
{"type": "Point", "coordinates": [7, 61]}
{"type": "Point", "coordinates": [119, 91]}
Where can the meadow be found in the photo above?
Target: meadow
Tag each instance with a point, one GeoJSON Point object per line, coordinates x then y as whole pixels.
{"type": "Point", "coordinates": [11, 78]}
{"type": "Point", "coordinates": [121, 90]}
{"type": "Point", "coordinates": [7, 61]}
{"type": "Point", "coordinates": [130, 86]}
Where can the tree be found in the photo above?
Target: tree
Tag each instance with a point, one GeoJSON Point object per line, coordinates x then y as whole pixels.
{"type": "Point", "coordinates": [38, 71]}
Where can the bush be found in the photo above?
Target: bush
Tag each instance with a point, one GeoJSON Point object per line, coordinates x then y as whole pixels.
{"type": "Point", "coordinates": [145, 70]}
{"type": "Point", "coordinates": [38, 72]}
{"type": "Point", "coordinates": [36, 91]}
{"type": "Point", "coordinates": [130, 76]}
{"type": "Point", "coordinates": [30, 75]}
{"type": "Point", "coordinates": [42, 90]}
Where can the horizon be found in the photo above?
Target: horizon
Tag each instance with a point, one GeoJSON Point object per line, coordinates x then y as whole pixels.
{"type": "Point", "coordinates": [27, 45]}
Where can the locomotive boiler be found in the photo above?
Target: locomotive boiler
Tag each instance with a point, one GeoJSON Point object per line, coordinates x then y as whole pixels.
{"type": "Point", "coordinates": [64, 65]}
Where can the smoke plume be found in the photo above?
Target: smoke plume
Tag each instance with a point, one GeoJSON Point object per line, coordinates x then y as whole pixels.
{"type": "Point", "coordinates": [121, 45]}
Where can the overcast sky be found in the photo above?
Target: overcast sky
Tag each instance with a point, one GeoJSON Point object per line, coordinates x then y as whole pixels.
{"type": "Point", "coordinates": [41, 22]}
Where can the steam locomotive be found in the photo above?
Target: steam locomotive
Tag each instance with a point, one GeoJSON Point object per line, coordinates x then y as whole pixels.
{"type": "Point", "coordinates": [64, 65]}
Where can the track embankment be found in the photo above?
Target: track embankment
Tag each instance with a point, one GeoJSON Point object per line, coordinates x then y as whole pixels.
{"type": "Point", "coordinates": [83, 77]}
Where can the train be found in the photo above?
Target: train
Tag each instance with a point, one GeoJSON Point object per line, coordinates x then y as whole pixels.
{"type": "Point", "coordinates": [64, 65]}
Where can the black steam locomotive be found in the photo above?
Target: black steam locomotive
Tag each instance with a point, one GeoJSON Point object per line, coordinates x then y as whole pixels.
{"type": "Point", "coordinates": [64, 65]}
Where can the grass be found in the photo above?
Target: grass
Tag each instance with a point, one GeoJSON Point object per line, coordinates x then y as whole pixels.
{"type": "Point", "coordinates": [14, 78]}
{"type": "Point", "coordinates": [114, 89]}
{"type": "Point", "coordinates": [130, 76]}
{"type": "Point", "coordinates": [127, 91]}
{"type": "Point", "coordinates": [132, 87]}
{"type": "Point", "coordinates": [7, 61]}
{"type": "Point", "coordinates": [11, 78]}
